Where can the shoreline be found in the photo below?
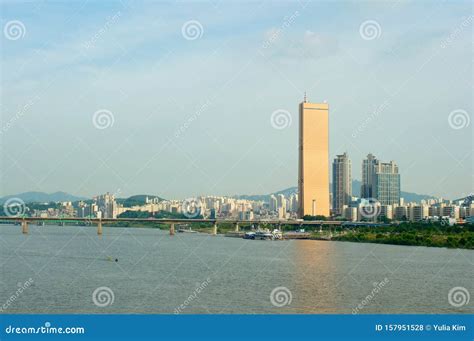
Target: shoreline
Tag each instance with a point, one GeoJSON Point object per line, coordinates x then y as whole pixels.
{"type": "Point", "coordinates": [449, 238]}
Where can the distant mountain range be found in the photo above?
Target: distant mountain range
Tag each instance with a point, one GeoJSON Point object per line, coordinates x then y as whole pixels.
{"type": "Point", "coordinates": [42, 197]}
{"type": "Point", "coordinates": [407, 196]}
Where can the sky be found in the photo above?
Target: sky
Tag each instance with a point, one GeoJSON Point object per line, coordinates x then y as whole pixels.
{"type": "Point", "coordinates": [181, 99]}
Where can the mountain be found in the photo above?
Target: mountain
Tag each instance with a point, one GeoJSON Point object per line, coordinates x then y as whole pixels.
{"type": "Point", "coordinates": [42, 197]}
{"type": "Point", "coordinates": [139, 199]}
{"type": "Point", "coordinates": [407, 196]}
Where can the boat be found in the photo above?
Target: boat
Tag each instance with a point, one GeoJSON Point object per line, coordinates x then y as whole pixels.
{"type": "Point", "coordinates": [263, 235]}
{"type": "Point", "coordinates": [249, 235]}
{"type": "Point", "coordinates": [277, 234]}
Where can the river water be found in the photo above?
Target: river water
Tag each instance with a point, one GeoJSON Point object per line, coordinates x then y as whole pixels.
{"type": "Point", "coordinates": [199, 273]}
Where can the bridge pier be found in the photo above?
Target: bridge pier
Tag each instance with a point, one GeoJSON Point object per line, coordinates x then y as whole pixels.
{"type": "Point", "coordinates": [24, 227]}
{"type": "Point", "coordinates": [99, 228]}
{"type": "Point", "coordinates": [172, 229]}
{"type": "Point", "coordinates": [214, 229]}
{"type": "Point", "coordinates": [237, 227]}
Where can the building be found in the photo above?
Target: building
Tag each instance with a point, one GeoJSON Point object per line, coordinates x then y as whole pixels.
{"type": "Point", "coordinates": [387, 183]}
{"type": "Point", "coordinates": [281, 202]}
{"type": "Point", "coordinates": [418, 212]}
{"type": "Point", "coordinates": [380, 181]}
{"type": "Point", "coordinates": [313, 166]}
{"type": "Point", "coordinates": [386, 211]}
{"type": "Point", "coordinates": [368, 177]}
{"type": "Point", "coordinates": [341, 183]}
{"type": "Point", "coordinates": [273, 203]}
{"type": "Point", "coordinates": [107, 205]}
{"type": "Point", "coordinates": [293, 203]}
{"type": "Point", "coordinates": [401, 213]}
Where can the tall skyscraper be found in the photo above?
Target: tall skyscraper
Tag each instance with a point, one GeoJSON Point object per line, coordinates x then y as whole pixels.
{"type": "Point", "coordinates": [387, 183]}
{"type": "Point", "coordinates": [341, 183]}
{"type": "Point", "coordinates": [368, 176]}
{"type": "Point", "coordinates": [380, 181]}
{"type": "Point", "coordinates": [313, 170]}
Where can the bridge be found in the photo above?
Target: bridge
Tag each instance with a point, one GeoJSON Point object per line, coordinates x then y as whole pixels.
{"type": "Point", "coordinates": [171, 222]}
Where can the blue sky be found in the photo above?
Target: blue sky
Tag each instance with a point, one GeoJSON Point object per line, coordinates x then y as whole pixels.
{"type": "Point", "coordinates": [193, 116]}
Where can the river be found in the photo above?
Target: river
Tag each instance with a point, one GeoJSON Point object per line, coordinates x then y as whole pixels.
{"type": "Point", "coordinates": [72, 270]}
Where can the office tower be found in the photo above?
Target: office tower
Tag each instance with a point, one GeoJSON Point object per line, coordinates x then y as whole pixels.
{"type": "Point", "coordinates": [313, 170]}
{"type": "Point", "coordinates": [380, 181]}
{"type": "Point", "coordinates": [368, 177]}
{"type": "Point", "coordinates": [386, 187]}
{"type": "Point", "coordinates": [341, 183]}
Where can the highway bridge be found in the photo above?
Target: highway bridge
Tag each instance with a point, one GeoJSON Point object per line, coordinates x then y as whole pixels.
{"type": "Point", "coordinates": [24, 221]}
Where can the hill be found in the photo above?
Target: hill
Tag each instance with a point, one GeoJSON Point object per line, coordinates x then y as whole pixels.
{"type": "Point", "coordinates": [134, 200]}
{"type": "Point", "coordinates": [42, 197]}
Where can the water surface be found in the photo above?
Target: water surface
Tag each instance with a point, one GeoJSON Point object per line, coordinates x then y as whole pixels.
{"type": "Point", "coordinates": [158, 273]}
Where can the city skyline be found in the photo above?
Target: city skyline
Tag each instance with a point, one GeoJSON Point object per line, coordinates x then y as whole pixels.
{"type": "Point", "coordinates": [177, 136]}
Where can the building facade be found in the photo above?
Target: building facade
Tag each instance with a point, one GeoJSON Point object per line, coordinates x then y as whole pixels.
{"type": "Point", "coordinates": [387, 183]}
{"type": "Point", "coordinates": [313, 170]}
{"type": "Point", "coordinates": [380, 181]}
{"type": "Point", "coordinates": [368, 177]}
{"type": "Point", "coordinates": [341, 183]}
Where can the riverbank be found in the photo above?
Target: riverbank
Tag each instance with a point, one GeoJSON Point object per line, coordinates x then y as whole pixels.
{"type": "Point", "coordinates": [406, 233]}
{"type": "Point", "coordinates": [460, 240]}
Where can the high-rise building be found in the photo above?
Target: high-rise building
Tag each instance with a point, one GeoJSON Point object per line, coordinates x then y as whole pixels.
{"type": "Point", "coordinates": [313, 170]}
{"type": "Point", "coordinates": [281, 201]}
{"type": "Point", "coordinates": [387, 183]}
{"type": "Point", "coordinates": [107, 205]}
{"type": "Point", "coordinates": [341, 183]}
{"type": "Point", "coordinates": [273, 203]}
{"type": "Point", "coordinates": [368, 177]}
{"type": "Point", "coordinates": [380, 181]}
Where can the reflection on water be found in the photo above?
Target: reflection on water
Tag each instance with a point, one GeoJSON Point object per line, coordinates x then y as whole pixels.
{"type": "Point", "coordinates": [314, 277]}
{"type": "Point", "coordinates": [197, 273]}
